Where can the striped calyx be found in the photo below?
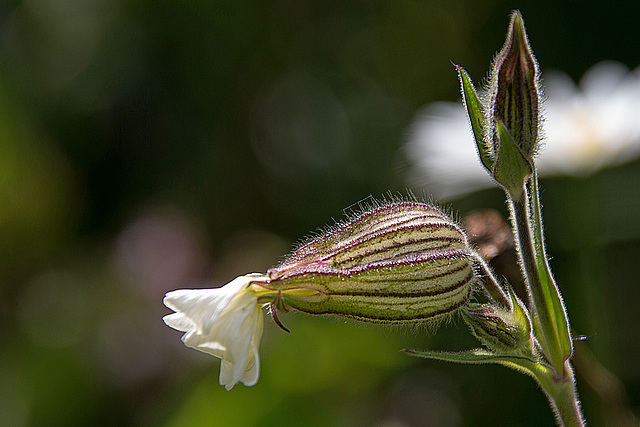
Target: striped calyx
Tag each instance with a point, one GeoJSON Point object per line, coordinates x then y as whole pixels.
{"type": "Point", "coordinates": [499, 329]}
{"type": "Point", "coordinates": [514, 95]}
{"type": "Point", "coordinates": [403, 262]}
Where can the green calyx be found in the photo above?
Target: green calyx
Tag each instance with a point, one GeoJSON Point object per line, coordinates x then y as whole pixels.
{"type": "Point", "coordinates": [502, 330]}
{"type": "Point", "coordinates": [514, 96]}
{"type": "Point", "coordinates": [400, 263]}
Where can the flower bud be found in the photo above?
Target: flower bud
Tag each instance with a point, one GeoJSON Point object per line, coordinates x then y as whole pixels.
{"type": "Point", "coordinates": [404, 262]}
{"type": "Point", "coordinates": [500, 329]}
{"type": "Point", "coordinates": [487, 322]}
{"type": "Point", "coordinates": [514, 95]}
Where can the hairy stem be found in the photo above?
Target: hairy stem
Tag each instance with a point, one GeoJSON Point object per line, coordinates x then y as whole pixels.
{"type": "Point", "coordinates": [562, 396]}
{"type": "Point", "coordinates": [549, 317]}
{"type": "Point", "coordinates": [491, 284]}
{"type": "Point", "coordinates": [544, 296]}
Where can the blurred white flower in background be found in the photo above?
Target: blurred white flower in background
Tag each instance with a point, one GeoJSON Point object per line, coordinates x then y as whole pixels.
{"type": "Point", "coordinates": [586, 128]}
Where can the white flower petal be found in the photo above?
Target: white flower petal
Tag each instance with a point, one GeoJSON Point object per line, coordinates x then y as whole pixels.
{"type": "Point", "coordinates": [252, 368]}
{"type": "Point", "coordinates": [179, 322]}
{"type": "Point", "coordinates": [224, 322]}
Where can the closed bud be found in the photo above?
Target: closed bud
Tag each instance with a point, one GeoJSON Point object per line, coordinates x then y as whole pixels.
{"type": "Point", "coordinates": [514, 95]}
{"type": "Point", "coordinates": [403, 262]}
{"type": "Point", "coordinates": [501, 329]}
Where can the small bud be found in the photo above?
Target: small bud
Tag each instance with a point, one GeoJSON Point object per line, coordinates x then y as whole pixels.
{"type": "Point", "coordinates": [514, 95]}
{"type": "Point", "coordinates": [501, 329]}
{"type": "Point", "coordinates": [505, 126]}
{"type": "Point", "coordinates": [404, 262]}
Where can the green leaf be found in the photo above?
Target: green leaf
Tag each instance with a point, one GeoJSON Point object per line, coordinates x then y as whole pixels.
{"type": "Point", "coordinates": [511, 168]}
{"type": "Point", "coordinates": [527, 365]}
{"type": "Point", "coordinates": [481, 356]}
{"type": "Point", "coordinates": [521, 316]}
{"type": "Point", "coordinates": [474, 356]}
{"type": "Point", "coordinates": [475, 112]}
{"type": "Point", "coordinates": [550, 289]}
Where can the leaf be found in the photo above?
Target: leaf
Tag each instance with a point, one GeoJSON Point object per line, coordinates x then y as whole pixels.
{"type": "Point", "coordinates": [511, 168]}
{"type": "Point", "coordinates": [550, 289]}
{"type": "Point", "coordinates": [475, 112]}
{"type": "Point", "coordinates": [527, 365]}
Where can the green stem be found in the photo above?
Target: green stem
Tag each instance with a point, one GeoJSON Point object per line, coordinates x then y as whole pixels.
{"type": "Point", "coordinates": [562, 395]}
{"type": "Point", "coordinates": [548, 315]}
{"type": "Point", "coordinates": [491, 284]}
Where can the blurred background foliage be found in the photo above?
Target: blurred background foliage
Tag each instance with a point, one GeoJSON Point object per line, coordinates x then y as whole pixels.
{"type": "Point", "coordinates": [152, 145]}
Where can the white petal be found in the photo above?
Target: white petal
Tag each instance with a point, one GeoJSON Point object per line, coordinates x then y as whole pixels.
{"type": "Point", "coordinates": [225, 322]}
{"type": "Point", "coordinates": [252, 370]}
{"type": "Point", "coordinates": [179, 322]}
{"type": "Point", "coordinates": [239, 334]}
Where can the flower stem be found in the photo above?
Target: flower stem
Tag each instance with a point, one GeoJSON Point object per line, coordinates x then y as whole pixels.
{"type": "Point", "coordinates": [549, 317]}
{"type": "Point", "coordinates": [562, 396]}
{"type": "Point", "coordinates": [491, 284]}
{"type": "Point", "coordinates": [548, 314]}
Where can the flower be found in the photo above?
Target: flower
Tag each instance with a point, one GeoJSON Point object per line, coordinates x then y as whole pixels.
{"type": "Point", "coordinates": [225, 322]}
{"type": "Point", "coordinates": [402, 262]}
{"type": "Point", "coordinates": [586, 128]}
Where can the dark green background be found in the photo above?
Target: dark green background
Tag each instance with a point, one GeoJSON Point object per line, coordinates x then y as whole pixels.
{"type": "Point", "coordinates": [120, 120]}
